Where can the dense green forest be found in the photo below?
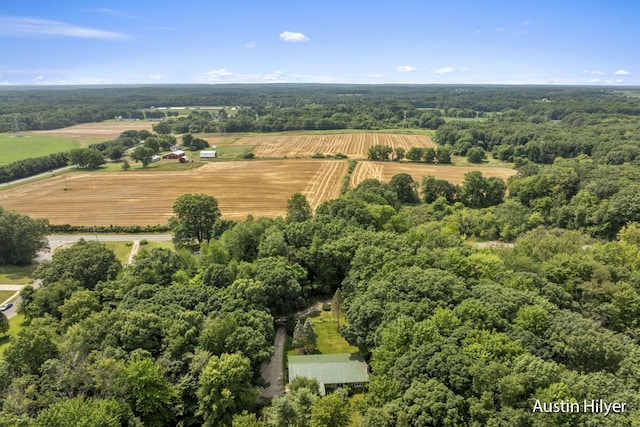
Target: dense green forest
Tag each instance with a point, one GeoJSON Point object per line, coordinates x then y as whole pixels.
{"type": "Point", "coordinates": [280, 107]}
{"type": "Point", "coordinates": [457, 333]}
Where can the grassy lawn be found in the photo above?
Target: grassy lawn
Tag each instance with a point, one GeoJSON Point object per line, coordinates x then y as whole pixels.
{"type": "Point", "coordinates": [355, 401]}
{"type": "Point", "coordinates": [5, 295]}
{"type": "Point", "coordinates": [151, 245]}
{"type": "Point", "coordinates": [329, 338]}
{"type": "Point", "coordinates": [16, 275]}
{"type": "Point", "coordinates": [232, 151]}
{"type": "Point", "coordinates": [14, 327]}
{"type": "Point", "coordinates": [162, 165]}
{"type": "Point", "coordinates": [489, 161]}
{"type": "Point", "coordinates": [121, 249]}
{"type": "Point", "coordinates": [17, 147]}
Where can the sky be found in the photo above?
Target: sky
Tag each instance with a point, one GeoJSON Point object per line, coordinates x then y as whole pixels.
{"type": "Point", "coordinates": [62, 42]}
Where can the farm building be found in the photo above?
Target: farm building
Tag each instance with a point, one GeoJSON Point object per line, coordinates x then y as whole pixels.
{"type": "Point", "coordinates": [208, 154]}
{"type": "Point", "coordinates": [331, 370]}
{"type": "Point", "coordinates": [174, 155]}
{"type": "Point", "coordinates": [155, 159]}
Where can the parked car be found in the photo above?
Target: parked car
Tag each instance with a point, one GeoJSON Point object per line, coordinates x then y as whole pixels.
{"type": "Point", "coordinates": [5, 307]}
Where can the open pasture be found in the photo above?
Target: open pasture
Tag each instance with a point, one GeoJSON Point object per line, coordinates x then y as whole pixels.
{"type": "Point", "coordinates": [259, 188]}
{"type": "Point", "coordinates": [23, 146]}
{"type": "Point", "coordinates": [89, 133]}
{"type": "Point", "coordinates": [384, 171]}
{"type": "Point", "coordinates": [355, 145]}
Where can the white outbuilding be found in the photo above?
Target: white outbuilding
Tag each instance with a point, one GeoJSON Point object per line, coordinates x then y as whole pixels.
{"type": "Point", "coordinates": [208, 154]}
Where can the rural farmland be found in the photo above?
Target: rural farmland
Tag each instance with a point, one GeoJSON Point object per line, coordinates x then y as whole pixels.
{"type": "Point", "coordinates": [259, 188]}
{"type": "Point", "coordinates": [384, 171]}
{"type": "Point", "coordinates": [353, 145]}
{"type": "Point", "coordinates": [94, 132]}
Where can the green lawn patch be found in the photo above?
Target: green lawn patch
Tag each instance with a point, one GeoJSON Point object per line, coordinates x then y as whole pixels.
{"type": "Point", "coordinates": [356, 401]}
{"type": "Point", "coordinates": [329, 338]}
{"type": "Point", "coordinates": [162, 165]}
{"type": "Point", "coordinates": [15, 324]}
{"type": "Point", "coordinates": [226, 152]}
{"type": "Point", "coordinates": [121, 249]}
{"type": "Point", "coordinates": [16, 275]}
{"type": "Point", "coordinates": [16, 147]}
{"type": "Point", "coordinates": [151, 245]}
{"type": "Point", "coordinates": [5, 295]}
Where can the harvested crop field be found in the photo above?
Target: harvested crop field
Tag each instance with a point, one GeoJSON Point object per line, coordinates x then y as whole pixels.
{"type": "Point", "coordinates": [95, 132]}
{"type": "Point", "coordinates": [384, 171]}
{"type": "Point", "coordinates": [355, 145]}
{"type": "Point", "coordinates": [259, 188]}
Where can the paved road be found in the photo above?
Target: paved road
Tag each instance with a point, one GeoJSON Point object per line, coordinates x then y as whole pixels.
{"type": "Point", "coordinates": [40, 175]}
{"type": "Point", "coordinates": [57, 240]}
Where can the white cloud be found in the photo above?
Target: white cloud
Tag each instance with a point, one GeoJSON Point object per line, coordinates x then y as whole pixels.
{"type": "Point", "coordinates": [22, 26]}
{"type": "Point", "coordinates": [599, 81]}
{"type": "Point", "coordinates": [526, 22]}
{"type": "Point", "coordinates": [375, 76]}
{"type": "Point", "coordinates": [226, 76]}
{"type": "Point", "coordinates": [289, 36]}
{"type": "Point", "coordinates": [445, 70]}
{"type": "Point", "coordinates": [250, 45]}
{"type": "Point", "coordinates": [155, 77]}
{"type": "Point", "coordinates": [406, 68]}
{"type": "Point", "coordinates": [39, 78]}
{"type": "Point", "coordinates": [216, 75]}
{"type": "Point", "coordinates": [598, 73]}
{"type": "Point", "coordinates": [622, 73]}
{"type": "Point", "coordinates": [500, 30]}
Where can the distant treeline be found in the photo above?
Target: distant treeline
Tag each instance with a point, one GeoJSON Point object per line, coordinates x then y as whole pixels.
{"type": "Point", "coordinates": [291, 104]}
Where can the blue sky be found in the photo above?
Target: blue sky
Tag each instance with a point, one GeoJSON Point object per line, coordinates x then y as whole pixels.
{"type": "Point", "coordinates": [345, 41]}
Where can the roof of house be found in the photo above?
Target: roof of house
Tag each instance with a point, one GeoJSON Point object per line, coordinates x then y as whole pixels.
{"type": "Point", "coordinates": [343, 368]}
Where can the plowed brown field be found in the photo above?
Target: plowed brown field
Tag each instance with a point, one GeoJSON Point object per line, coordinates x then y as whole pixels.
{"type": "Point", "coordinates": [259, 188]}
{"type": "Point", "coordinates": [353, 145]}
{"type": "Point", "coordinates": [384, 171]}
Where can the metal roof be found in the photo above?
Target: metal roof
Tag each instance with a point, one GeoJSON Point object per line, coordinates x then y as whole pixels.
{"type": "Point", "coordinates": [343, 368]}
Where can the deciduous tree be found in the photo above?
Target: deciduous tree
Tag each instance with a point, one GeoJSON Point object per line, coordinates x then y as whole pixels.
{"type": "Point", "coordinates": [224, 389]}
{"type": "Point", "coordinates": [194, 217]}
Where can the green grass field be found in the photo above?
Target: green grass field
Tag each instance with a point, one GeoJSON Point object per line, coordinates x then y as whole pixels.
{"type": "Point", "coordinates": [329, 339]}
{"type": "Point", "coordinates": [5, 295]}
{"type": "Point", "coordinates": [16, 148]}
{"type": "Point", "coordinates": [121, 249]}
{"type": "Point", "coordinates": [14, 327]}
{"type": "Point", "coordinates": [152, 245]}
{"type": "Point", "coordinates": [226, 152]}
{"type": "Point", "coordinates": [16, 275]}
{"type": "Point", "coordinates": [162, 165]}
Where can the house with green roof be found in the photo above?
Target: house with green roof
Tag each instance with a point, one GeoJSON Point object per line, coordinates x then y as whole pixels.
{"type": "Point", "coordinates": [331, 370]}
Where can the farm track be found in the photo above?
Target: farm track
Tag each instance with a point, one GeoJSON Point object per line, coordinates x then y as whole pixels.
{"type": "Point", "coordinates": [325, 184]}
